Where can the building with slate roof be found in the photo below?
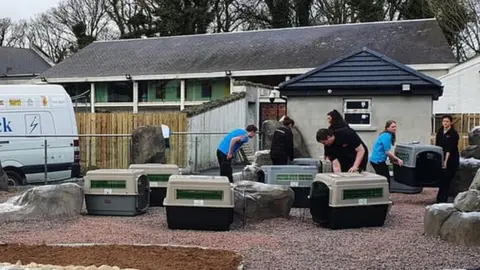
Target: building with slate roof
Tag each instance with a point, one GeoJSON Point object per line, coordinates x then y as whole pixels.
{"type": "Point", "coordinates": [180, 71]}
{"type": "Point", "coordinates": [368, 88]}
{"type": "Point", "coordinates": [19, 66]}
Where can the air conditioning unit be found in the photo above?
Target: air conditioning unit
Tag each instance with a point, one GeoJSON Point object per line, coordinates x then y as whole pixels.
{"type": "Point", "coordinates": [199, 202]}
{"type": "Point", "coordinates": [349, 200]}
{"type": "Point", "coordinates": [116, 192]}
{"type": "Point", "coordinates": [158, 175]}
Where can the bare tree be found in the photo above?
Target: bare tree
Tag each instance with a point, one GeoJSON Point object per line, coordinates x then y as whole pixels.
{"type": "Point", "coordinates": [49, 37]}
{"type": "Point", "coordinates": [82, 21]}
{"type": "Point", "coordinates": [460, 21]}
{"type": "Point", "coordinates": [132, 18]}
{"type": "Point", "coordinates": [13, 34]}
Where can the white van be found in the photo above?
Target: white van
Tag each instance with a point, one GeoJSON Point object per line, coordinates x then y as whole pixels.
{"type": "Point", "coordinates": [38, 110]}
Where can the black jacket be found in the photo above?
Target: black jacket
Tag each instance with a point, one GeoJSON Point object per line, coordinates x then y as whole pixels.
{"type": "Point", "coordinates": [449, 143]}
{"type": "Point", "coordinates": [282, 143]}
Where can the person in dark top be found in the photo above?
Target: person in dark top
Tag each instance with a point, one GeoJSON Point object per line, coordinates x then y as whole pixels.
{"type": "Point", "coordinates": [348, 153]}
{"type": "Point", "coordinates": [335, 122]}
{"type": "Point", "coordinates": [281, 150]}
{"type": "Point", "coordinates": [447, 138]}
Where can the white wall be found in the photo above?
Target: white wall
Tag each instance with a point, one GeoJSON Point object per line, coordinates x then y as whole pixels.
{"type": "Point", "coordinates": [222, 119]}
{"type": "Point", "coordinates": [461, 90]}
{"type": "Point", "coordinates": [412, 114]}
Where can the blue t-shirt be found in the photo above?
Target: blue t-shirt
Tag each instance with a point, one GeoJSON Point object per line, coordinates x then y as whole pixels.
{"type": "Point", "coordinates": [382, 145]}
{"type": "Point", "coordinates": [224, 145]}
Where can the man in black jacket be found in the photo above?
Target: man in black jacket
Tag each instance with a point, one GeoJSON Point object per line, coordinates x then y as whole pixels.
{"type": "Point", "coordinates": [348, 153]}
{"type": "Point", "coordinates": [281, 150]}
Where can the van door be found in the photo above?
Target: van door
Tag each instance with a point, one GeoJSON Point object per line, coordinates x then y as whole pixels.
{"type": "Point", "coordinates": [24, 154]}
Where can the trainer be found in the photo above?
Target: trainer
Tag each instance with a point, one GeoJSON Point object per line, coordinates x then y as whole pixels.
{"type": "Point", "coordinates": [347, 150]}
{"type": "Point", "coordinates": [230, 145]}
{"type": "Point", "coordinates": [281, 150]}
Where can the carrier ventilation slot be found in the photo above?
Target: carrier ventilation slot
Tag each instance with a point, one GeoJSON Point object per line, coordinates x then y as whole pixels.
{"type": "Point", "coordinates": [158, 177]}
{"type": "Point", "coordinates": [369, 193]}
{"type": "Point", "coordinates": [199, 194]}
{"type": "Point", "coordinates": [108, 184]}
{"type": "Point", "coordinates": [294, 177]}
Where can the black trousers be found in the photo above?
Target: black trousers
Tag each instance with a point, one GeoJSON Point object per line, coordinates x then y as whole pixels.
{"type": "Point", "coordinates": [381, 169]}
{"type": "Point", "coordinates": [279, 160]}
{"type": "Point", "coordinates": [444, 188]}
{"type": "Point", "coordinates": [225, 165]}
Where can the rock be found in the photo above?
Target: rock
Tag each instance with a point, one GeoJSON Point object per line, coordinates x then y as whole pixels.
{"type": "Point", "coordinates": [44, 202]}
{"type": "Point", "coordinates": [148, 145]}
{"type": "Point", "coordinates": [263, 201]}
{"type": "Point", "coordinates": [474, 136]}
{"type": "Point", "coordinates": [250, 173]}
{"type": "Point", "coordinates": [435, 216]}
{"type": "Point", "coordinates": [468, 201]}
{"type": "Point", "coordinates": [300, 149]}
{"type": "Point", "coordinates": [3, 179]}
{"type": "Point", "coordinates": [462, 228]}
{"type": "Point", "coordinates": [262, 158]}
{"type": "Point", "coordinates": [464, 177]}
{"type": "Point", "coordinates": [471, 151]}
{"type": "Point", "coordinates": [476, 181]}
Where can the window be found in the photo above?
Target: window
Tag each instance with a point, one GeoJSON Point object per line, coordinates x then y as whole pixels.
{"type": "Point", "coordinates": [357, 112]}
{"type": "Point", "coordinates": [120, 91]}
{"type": "Point", "coordinates": [206, 89]}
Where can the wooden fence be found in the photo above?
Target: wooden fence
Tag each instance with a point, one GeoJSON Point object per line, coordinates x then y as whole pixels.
{"type": "Point", "coordinates": [114, 152]}
{"type": "Point", "coordinates": [463, 123]}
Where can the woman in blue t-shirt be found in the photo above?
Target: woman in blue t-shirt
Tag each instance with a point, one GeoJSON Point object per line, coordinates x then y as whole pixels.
{"type": "Point", "coordinates": [381, 150]}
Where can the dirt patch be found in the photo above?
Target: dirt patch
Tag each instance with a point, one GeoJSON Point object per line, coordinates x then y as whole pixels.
{"type": "Point", "coordinates": [123, 256]}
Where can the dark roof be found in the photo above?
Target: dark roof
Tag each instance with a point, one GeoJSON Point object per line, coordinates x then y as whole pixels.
{"type": "Point", "coordinates": [18, 61]}
{"type": "Point", "coordinates": [362, 72]}
{"type": "Point", "coordinates": [208, 106]}
{"type": "Point", "coordinates": [410, 42]}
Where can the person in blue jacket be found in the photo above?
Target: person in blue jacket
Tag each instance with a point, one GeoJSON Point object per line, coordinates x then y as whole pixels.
{"type": "Point", "coordinates": [382, 150]}
{"type": "Point", "coordinates": [230, 145]}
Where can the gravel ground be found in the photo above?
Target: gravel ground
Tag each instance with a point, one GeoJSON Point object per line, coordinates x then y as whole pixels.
{"type": "Point", "coordinates": [295, 243]}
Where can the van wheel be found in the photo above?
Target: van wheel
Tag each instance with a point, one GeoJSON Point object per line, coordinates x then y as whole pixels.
{"type": "Point", "coordinates": [14, 179]}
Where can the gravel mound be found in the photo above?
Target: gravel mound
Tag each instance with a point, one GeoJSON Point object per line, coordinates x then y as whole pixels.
{"type": "Point", "coordinates": [294, 243]}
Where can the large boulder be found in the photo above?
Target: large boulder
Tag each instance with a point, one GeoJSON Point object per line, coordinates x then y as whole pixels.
{"type": "Point", "coordinates": [445, 221]}
{"type": "Point", "coordinates": [476, 181]}
{"type": "Point", "coordinates": [258, 201]}
{"type": "Point", "coordinates": [468, 201]}
{"type": "Point", "coordinates": [474, 136]}
{"type": "Point", "coordinates": [435, 216]}
{"type": "Point", "coordinates": [3, 179]}
{"type": "Point", "coordinates": [471, 151]}
{"type": "Point", "coordinates": [300, 149]}
{"type": "Point", "coordinates": [250, 172]}
{"type": "Point", "coordinates": [44, 202]}
{"type": "Point", "coordinates": [462, 228]}
{"type": "Point", "coordinates": [464, 176]}
{"type": "Point", "coordinates": [458, 222]}
{"type": "Point", "coordinates": [148, 145]}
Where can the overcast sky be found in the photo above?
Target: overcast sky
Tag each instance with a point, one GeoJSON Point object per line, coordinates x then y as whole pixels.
{"type": "Point", "coordinates": [24, 9]}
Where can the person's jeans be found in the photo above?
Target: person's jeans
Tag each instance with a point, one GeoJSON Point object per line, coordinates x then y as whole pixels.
{"type": "Point", "coordinates": [444, 188]}
{"type": "Point", "coordinates": [382, 169]}
{"type": "Point", "coordinates": [225, 165]}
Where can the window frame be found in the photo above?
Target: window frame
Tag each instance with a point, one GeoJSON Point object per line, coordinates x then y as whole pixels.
{"type": "Point", "coordinates": [358, 111]}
